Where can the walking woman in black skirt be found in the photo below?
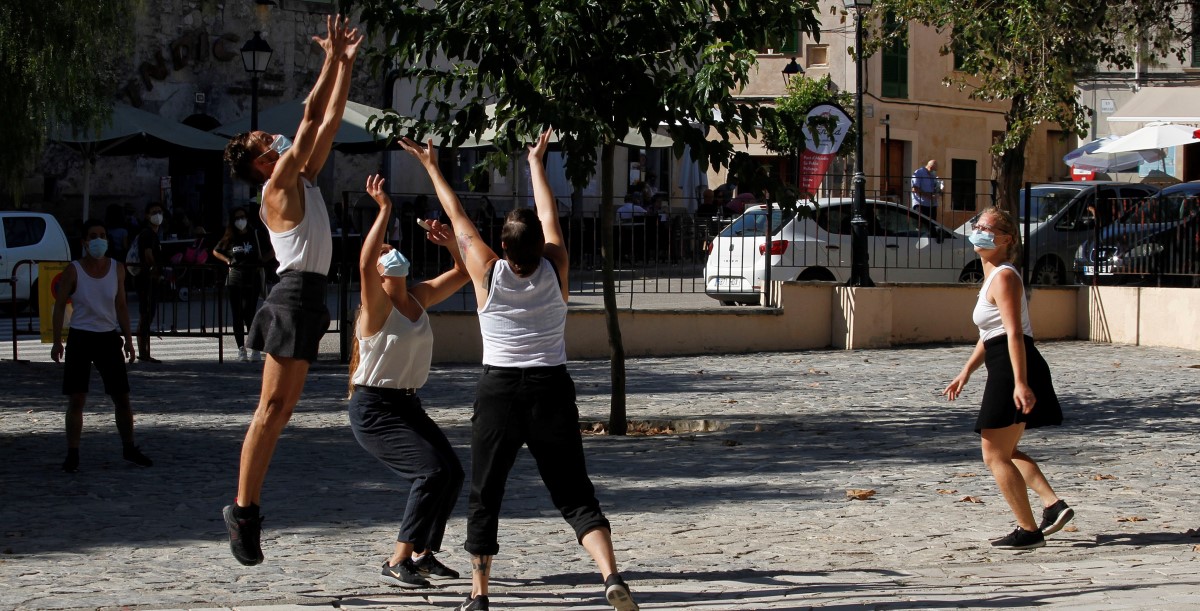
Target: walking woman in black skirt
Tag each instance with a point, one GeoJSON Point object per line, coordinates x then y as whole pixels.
{"type": "Point", "coordinates": [1019, 394]}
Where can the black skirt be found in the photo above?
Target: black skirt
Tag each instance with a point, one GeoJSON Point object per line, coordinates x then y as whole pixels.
{"type": "Point", "coordinates": [998, 409]}
{"type": "Point", "coordinates": [293, 319]}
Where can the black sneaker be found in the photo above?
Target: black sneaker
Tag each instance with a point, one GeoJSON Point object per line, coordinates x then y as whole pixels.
{"type": "Point", "coordinates": [478, 603]}
{"type": "Point", "coordinates": [404, 575]}
{"type": "Point", "coordinates": [432, 568]}
{"type": "Point", "coordinates": [1055, 517]}
{"type": "Point", "coordinates": [71, 464]}
{"type": "Point", "coordinates": [244, 535]}
{"type": "Point", "coordinates": [617, 594]}
{"type": "Point", "coordinates": [134, 455]}
{"type": "Point", "coordinates": [1021, 539]}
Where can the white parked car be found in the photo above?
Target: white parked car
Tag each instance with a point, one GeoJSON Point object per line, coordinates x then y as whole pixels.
{"type": "Point", "coordinates": [32, 236]}
{"type": "Point", "coordinates": [813, 243]}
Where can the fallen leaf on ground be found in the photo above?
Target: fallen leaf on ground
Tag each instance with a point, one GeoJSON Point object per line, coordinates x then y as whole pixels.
{"type": "Point", "coordinates": [758, 428]}
{"type": "Point", "coordinates": [1071, 529]}
{"type": "Point", "coordinates": [860, 494]}
{"type": "Point", "coordinates": [729, 401]}
{"type": "Point", "coordinates": [947, 491]}
{"type": "Point", "coordinates": [965, 475]}
{"type": "Point", "coordinates": [1131, 519]}
{"type": "Point", "coordinates": [817, 371]}
{"type": "Point", "coordinates": [1116, 363]}
{"type": "Point", "coordinates": [598, 427]}
{"type": "Point", "coordinates": [970, 499]}
{"type": "Point", "coordinates": [1100, 477]}
{"type": "Point", "coordinates": [815, 385]}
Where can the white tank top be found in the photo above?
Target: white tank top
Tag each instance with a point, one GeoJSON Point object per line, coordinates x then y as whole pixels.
{"type": "Point", "coordinates": [987, 315]}
{"type": "Point", "coordinates": [398, 356]}
{"type": "Point", "coordinates": [307, 247]}
{"type": "Point", "coordinates": [94, 300]}
{"type": "Point", "coordinates": [524, 319]}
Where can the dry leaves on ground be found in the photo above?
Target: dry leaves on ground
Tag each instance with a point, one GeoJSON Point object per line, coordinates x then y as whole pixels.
{"type": "Point", "coordinates": [966, 475]}
{"type": "Point", "coordinates": [1102, 476]}
{"type": "Point", "coordinates": [817, 372]}
{"type": "Point", "coordinates": [859, 494]}
{"type": "Point", "coordinates": [970, 499]}
{"type": "Point", "coordinates": [947, 491]}
{"type": "Point", "coordinates": [1131, 519]}
{"type": "Point", "coordinates": [1071, 529]}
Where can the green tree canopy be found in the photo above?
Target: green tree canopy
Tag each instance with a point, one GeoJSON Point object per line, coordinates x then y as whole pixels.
{"type": "Point", "coordinates": [1032, 53]}
{"type": "Point", "coordinates": [58, 61]}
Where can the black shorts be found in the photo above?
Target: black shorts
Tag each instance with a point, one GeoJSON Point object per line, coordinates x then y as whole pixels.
{"type": "Point", "coordinates": [293, 319]}
{"type": "Point", "coordinates": [998, 409]}
{"type": "Point", "coordinates": [104, 349]}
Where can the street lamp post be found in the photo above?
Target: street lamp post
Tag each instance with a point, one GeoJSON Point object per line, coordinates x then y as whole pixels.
{"type": "Point", "coordinates": [860, 268]}
{"type": "Point", "coordinates": [256, 54]}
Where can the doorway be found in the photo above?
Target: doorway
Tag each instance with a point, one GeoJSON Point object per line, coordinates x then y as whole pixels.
{"type": "Point", "coordinates": [893, 177]}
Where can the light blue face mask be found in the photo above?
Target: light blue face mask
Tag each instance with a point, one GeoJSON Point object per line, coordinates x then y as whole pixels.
{"type": "Point", "coordinates": [983, 239]}
{"type": "Point", "coordinates": [394, 264]}
{"type": "Point", "coordinates": [97, 247]}
{"type": "Point", "coordinates": [281, 144]}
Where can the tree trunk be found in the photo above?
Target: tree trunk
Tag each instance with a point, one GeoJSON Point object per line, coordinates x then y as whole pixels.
{"type": "Point", "coordinates": [617, 424]}
{"type": "Point", "coordinates": [1010, 165]}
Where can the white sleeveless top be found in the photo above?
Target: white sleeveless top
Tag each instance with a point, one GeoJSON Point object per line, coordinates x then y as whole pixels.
{"type": "Point", "coordinates": [987, 315]}
{"type": "Point", "coordinates": [307, 247]}
{"type": "Point", "coordinates": [94, 300]}
{"type": "Point", "coordinates": [524, 320]}
{"type": "Point", "coordinates": [398, 356]}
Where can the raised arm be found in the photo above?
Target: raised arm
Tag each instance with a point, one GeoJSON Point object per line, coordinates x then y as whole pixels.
{"type": "Point", "coordinates": [547, 210]}
{"type": "Point", "coordinates": [478, 257]}
{"type": "Point", "coordinates": [436, 290]}
{"type": "Point", "coordinates": [335, 105]}
{"type": "Point", "coordinates": [375, 303]}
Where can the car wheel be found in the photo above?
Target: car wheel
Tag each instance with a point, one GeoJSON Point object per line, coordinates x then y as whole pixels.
{"type": "Point", "coordinates": [817, 274]}
{"type": "Point", "coordinates": [971, 274]}
{"type": "Point", "coordinates": [1047, 272]}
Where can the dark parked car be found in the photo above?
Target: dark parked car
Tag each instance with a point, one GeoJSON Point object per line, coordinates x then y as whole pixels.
{"type": "Point", "coordinates": [1157, 242]}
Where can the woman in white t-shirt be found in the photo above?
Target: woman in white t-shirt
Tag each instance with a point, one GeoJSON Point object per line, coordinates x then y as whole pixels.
{"type": "Point", "coordinates": [389, 362]}
{"type": "Point", "coordinates": [1019, 393]}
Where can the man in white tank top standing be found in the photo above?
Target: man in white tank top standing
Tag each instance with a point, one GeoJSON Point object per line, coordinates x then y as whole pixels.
{"type": "Point", "coordinates": [289, 326]}
{"type": "Point", "coordinates": [95, 284]}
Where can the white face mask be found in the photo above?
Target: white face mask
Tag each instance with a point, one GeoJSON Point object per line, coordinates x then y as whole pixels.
{"type": "Point", "coordinates": [156, 219]}
{"type": "Point", "coordinates": [240, 224]}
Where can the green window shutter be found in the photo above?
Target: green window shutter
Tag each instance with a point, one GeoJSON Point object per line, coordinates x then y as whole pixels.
{"type": "Point", "coordinates": [894, 81]}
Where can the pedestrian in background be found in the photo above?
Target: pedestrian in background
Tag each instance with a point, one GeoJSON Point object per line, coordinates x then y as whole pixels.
{"type": "Point", "coordinates": [244, 250]}
{"type": "Point", "coordinates": [1019, 394]}
{"type": "Point", "coordinates": [389, 362]}
{"type": "Point", "coordinates": [149, 275]}
{"type": "Point", "coordinates": [525, 395]}
{"type": "Point", "coordinates": [926, 188]}
{"type": "Point", "coordinates": [95, 286]}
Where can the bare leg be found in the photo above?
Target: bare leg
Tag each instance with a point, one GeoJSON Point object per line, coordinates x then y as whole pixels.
{"type": "Point", "coordinates": [598, 543]}
{"type": "Point", "coordinates": [481, 571]}
{"type": "Point", "coordinates": [1034, 478]}
{"type": "Point", "coordinates": [998, 448]}
{"type": "Point", "coordinates": [75, 403]}
{"type": "Point", "coordinates": [124, 416]}
{"type": "Point", "coordinates": [283, 381]}
{"type": "Point", "coordinates": [402, 551]}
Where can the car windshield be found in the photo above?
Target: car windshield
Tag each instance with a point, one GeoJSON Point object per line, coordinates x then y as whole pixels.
{"type": "Point", "coordinates": [754, 223]}
{"type": "Point", "coordinates": [1166, 207]}
{"type": "Point", "coordinates": [1047, 201]}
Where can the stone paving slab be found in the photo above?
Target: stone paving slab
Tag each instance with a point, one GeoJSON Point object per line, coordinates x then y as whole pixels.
{"type": "Point", "coordinates": [751, 516]}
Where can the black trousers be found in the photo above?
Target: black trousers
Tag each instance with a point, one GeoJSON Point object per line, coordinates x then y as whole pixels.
{"type": "Point", "coordinates": [536, 407]}
{"type": "Point", "coordinates": [243, 303]}
{"type": "Point", "coordinates": [391, 425]}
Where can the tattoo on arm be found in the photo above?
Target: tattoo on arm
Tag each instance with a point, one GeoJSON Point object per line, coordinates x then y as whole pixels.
{"type": "Point", "coordinates": [465, 240]}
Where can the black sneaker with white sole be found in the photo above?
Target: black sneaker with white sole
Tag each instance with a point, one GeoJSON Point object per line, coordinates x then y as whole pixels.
{"type": "Point", "coordinates": [1055, 517]}
{"type": "Point", "coordinates": [404, 575]}
{"type": "Point", "coordinates": [477, 603]}
{"type": "Point", "coordinates": [431, 568]}
{"type": "Point", "coordinates": [617, 594]}
{"type": "Point", "coordinates": [1020, 539]}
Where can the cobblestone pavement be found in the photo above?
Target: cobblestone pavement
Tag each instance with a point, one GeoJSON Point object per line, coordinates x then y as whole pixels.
{"type": "Point", "coordinates": [752, 516]}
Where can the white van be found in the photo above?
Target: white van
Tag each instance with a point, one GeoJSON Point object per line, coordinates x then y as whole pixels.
{"type": "Point", "coordinates": [27, 236]}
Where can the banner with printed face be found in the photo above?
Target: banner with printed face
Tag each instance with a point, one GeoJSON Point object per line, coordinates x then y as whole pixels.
{"type": "Point", "coordinates": [825, 127]}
